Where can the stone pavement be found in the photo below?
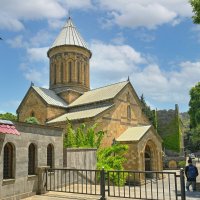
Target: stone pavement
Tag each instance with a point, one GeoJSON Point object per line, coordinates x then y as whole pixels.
{"type": "Point", "coordinates": [71, 196]}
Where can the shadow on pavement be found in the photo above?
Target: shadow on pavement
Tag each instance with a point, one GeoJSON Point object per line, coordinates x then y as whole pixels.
{"type": "Point", "coordinates": [193, 194]}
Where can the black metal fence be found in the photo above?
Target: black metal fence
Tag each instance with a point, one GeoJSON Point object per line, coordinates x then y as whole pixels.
{"type": "Point", "coordinates": [73, 181]}
{"type": "Point", "coordinates": [164, 185]}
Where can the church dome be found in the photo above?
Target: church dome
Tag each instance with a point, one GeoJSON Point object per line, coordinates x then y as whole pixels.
{"type": "Point", "coordinates": [69, 35]}
{"type": "Point", "coordinates": [69, 59]}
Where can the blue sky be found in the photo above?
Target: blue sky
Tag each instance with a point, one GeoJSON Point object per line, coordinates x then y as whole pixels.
{"type": "Point", "coordinates": [154, 42]}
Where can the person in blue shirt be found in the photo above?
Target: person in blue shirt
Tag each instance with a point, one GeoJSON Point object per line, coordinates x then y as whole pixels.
{"type": "Point", "coordinates": [191, 172]}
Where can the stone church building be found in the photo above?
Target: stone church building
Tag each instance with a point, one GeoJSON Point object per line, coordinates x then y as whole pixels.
{"type": "Point", "coordinates": [115, 108]}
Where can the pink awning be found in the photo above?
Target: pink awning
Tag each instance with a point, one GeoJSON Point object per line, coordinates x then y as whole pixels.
{"type": "Point", "coordinates": [7, 127]}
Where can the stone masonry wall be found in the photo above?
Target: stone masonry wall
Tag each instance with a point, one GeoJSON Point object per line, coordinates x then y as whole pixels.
{"type": "Point", "coordinates": [33, 103]}
{"type": "Point", "coordinates": [80, 158]}
{"type": "Point", "coordinates": [23, 185]}
{"type": "Point", "coordinates": [116, 121]}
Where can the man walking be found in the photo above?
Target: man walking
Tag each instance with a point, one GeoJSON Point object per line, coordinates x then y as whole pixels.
{"type": "Point", "coordinates": [191, 172]}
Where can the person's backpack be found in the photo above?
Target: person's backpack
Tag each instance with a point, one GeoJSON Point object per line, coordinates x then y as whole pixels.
{"type": "Point", "coordinates": [191, 172]}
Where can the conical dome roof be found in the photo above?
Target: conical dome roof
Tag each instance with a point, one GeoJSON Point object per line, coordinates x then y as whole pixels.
{"type": "Point", "coordinates": [69, 35]}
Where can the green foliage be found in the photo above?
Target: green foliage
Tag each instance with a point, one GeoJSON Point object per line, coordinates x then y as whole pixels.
{"type": "Point", "coordinates": [8, 116]}
{"type": "Point", "coordinates": [69, 138]}
{"type": "Point", "coordinates": [194, 106]}
{"type": "Point", "coordinates": [169, 129]}
{"type": "Point", "coordinates": [193, 135]}
{"type": "Point", "coordinates": [151, 114]}
{"type": "Point", "coordinates": [171, 141]}
{"type": "Point", "coordinates": [194, 139]}
{"type": "Point", "coordinates": [83, 136]}
{"type": "Point", "coordinates": [181, 164]}
{"type": "Point", "coordinates": [112, 158]}
{"type": "Point", "coordinates": [196, 10]}
{"type": "Point", "coordinates": [185, 118]}
{"type": "Point", "coordinates": [32, 120]}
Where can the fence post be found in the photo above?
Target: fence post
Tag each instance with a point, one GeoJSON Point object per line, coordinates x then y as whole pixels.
{"type": "Point", "coordinates": [102, 186]}
{"type": "Point", "coordinates": [182, 181]}
{"type": "Point", "coordinates": [42, 175]}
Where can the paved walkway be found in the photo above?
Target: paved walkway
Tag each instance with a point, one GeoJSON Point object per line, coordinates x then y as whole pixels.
{"type": "Point", "coordinates": [69, 196]}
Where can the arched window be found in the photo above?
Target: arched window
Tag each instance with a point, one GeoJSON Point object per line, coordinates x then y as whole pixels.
{"type": "Point", "coordinates": [55, 74]}
{"type": "Point", "coordinates": [50, 156]}
{"type": "Point", "coordinates": [31, 159]}
{"type": "Point", "coordinates": [84, 73]}
{"type": "Point", "coordinates": [8, 161]}
{"type": "Point", "coordinates": [78, 72]}
{"type": "Point", "coordinates": [70, 71]}
{"type": "Point", "coordinates": [62, 73]}
{"type": "Point", "coordinates": [129, 112]}
{"type": "Point", "coordinates": [32, 114]}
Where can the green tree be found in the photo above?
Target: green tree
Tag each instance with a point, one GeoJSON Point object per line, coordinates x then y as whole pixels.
{"type": "Point", "coordinates": [82, 136]}
{"type": "Point", "coordinates": [69, 138]}
{"type": "Point", "coordinates": [113, 158]}
{"type": "Point", "coordinates": [195, 138]}
{"type": "Point", "coordinates": [194, 106]}
{"type": "Point", "coordinates": [8, 116]}
{"type": "Point", "coordinates": [151, 114]}
{"type": "Point", "coordinates": [32, 120]}
{"type": "Point", "coordinates": [196, 10]}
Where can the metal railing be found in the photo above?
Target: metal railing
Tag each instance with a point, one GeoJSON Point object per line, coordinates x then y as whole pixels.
{"type": "Point", "coordinates": [146, 185]}
{"type": "Point", "coordinates": [162, 185]}
{"type": "Point", "coordinates": [73, 181]}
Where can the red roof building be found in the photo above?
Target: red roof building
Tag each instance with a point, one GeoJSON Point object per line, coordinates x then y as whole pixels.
{"type": "Point", "coordinates": [7, 127]}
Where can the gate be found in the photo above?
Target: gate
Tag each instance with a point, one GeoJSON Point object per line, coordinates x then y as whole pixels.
{"type": "Point", "coordinates": [152, 185]}
{"type": "Point", "coordinates": [73, 181]}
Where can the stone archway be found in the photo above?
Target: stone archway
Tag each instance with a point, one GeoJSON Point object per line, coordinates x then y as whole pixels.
{"type": "Point", "coordinates": [151, 157]}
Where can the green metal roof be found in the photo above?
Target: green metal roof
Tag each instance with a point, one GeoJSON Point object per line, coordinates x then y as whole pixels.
{"type": "Point", "coordinates": [99, 94]}
{"type": "Point", "coordinates": [133, 133]}
{"type": "Point", "coordinates": [80, 114]}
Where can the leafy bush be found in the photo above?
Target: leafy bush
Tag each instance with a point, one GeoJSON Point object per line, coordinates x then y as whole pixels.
{"type": "Point", "coordinates": [112, 158]}
{"type": "Point", "coordinates": [181, 164]}
{"type": "Point", "coordinates": [109, 158]}
{"type": "Point", "coordinates": [32, 120]}
{"type": "Point", "coordinates": [83, 136]}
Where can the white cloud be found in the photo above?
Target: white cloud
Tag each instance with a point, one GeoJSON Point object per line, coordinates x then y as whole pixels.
{"type": "Point", "coordinates": [36, 76]}
{"type": "Point", "coordinates": [115, 62]}
{"type": "Point", "coordinates": [119, 39]}
{"type": "Point", "coordinates": [37, 54]}
{"type": "Point", "coordinates": [9, 22]}
{"type": "Point", "coordinates": [14, 12]}
{"type": "Point", "coordinates": [116, 58]}
{"type": "Point", "coordinates": [17, 42]}
{"type": "Point", "coordinates": [167, 87]}
{"type": "Point", "coordinates": [77, 4]}
{"type": "Point", "coordinates": [145, 13]}
{"type": "Point", "coordinates": [42, 37]}
{"type": "Point", "coordinates": [56, 23]}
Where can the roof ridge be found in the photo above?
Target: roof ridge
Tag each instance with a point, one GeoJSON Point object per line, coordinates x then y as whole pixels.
{"type": "Point", "coordinates": [49, 96]}
{"type": "Point", "coordinates": [39, 87]}
{"type": "Point", "coordinates": [108, 85]}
